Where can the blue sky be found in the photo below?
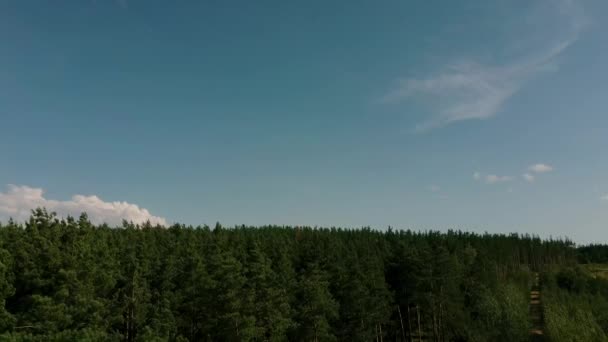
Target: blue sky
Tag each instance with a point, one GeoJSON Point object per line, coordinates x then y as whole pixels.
{"type": "Point", "coordinates": [478, 115]}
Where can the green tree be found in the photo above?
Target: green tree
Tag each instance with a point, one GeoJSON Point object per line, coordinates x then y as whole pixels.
{"type": "Point", "coordinates": [7, 321]}
{"type": "Point", "coordinates": [317, 307]}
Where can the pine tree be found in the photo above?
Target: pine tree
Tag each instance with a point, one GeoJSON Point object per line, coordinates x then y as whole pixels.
{"type": "Point", "coordinates": [269, 301]}
{"type": "Point", "coordinates": [7, 321]}
{"type": "Point", "coordinates": [317, 307]}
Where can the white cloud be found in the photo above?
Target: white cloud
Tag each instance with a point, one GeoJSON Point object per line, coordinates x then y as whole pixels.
{"type": "Point", "coordinates": [541, 168]}
{"type": "Point", "coordinates": [528, 177]}
{"type": "Point", "coordinates": [470, 90]}
{"type": "Point", "coordinates": [491, 179]}
{"type": "Point", "coordinates": [467, 91]}
{"type": "Point", "coordinates": [18, 201]}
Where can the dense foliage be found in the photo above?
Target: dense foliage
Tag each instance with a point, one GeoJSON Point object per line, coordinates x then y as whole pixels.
{"type": "Point", "coordinates": [66, 280]}
{"type": "Point", "coordinates": [575, 305]}
{"type": "Point", "coordinates": [595, 253]}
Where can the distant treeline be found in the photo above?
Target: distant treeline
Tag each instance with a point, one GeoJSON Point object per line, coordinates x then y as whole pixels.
{"type": "Point", "coordinates": [593, 254]}
{"type": "Point", "coordinates": [69, 280]}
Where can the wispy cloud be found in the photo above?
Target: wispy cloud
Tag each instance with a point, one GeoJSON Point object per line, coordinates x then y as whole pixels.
{"type": "Point", "coordinates": [528, 177]}
{"type": "Point", "coordinates": [434, 188]}
{"type": "Point", "coordinates": [476, 176]}
{"type": "Point", "coordinates": [470, 90]}
{"type": "Point", "coordinates": [491, 179]}
{"type": "Point", "coordinates": [541, 168]}
{"type": "Point", "coordinates": [18, 201]}
{"type": "Point", "coordinates": [535, 170]}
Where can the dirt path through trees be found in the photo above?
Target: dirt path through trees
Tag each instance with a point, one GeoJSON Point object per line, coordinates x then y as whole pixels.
{"type": "Point", "coordinates": [536, 311]}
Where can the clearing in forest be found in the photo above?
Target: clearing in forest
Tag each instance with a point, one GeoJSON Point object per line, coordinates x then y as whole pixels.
{"type": "Point", "coordinates": [597, 270]}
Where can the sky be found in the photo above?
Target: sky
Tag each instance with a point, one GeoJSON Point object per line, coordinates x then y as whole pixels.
{"type": "Point", "coordinates": [473, 115]}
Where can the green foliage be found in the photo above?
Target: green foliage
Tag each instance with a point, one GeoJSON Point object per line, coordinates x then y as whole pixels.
{"type": "Point", "coordinates": [593, 254]}
{"type": "Point", "coordinates": [6, 289]}
{"type": "Point", "coordinates": [70, 280]}
{"type": "Point", "coordinates": [597, 270]}
{"type": "Point", "coordinates": [571, 318]}
{"type": "Point", "coordinates": [318, 308]}
{"type": "Point", "coordinates": [575, 305]}
{"type": "Point", "coordinates": [514, 319]}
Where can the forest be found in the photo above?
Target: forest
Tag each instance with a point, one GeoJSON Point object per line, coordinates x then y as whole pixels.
{"type": "Point", "coordinates": [70, 280]}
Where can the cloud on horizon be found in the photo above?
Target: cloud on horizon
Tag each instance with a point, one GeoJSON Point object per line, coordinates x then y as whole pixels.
{"type": "Point", "coordinates": [18, 202]}
{"type": "Point", "coordinates": [470, 90]}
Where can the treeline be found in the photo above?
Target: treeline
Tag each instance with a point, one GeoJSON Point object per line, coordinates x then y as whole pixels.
{"type": "Point", "coordinates": [593, 254]}
{"type": "Point", "coordinates": [67, 280]}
